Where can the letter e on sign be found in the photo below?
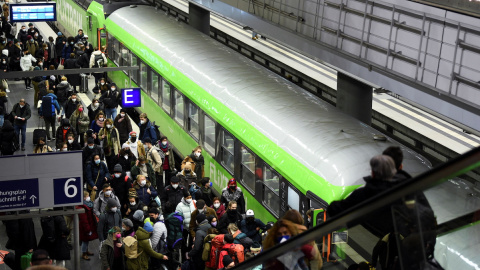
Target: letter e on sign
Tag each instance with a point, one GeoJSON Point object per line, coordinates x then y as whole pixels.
{"type": "Point", "coordinates": [67, 191]}
{"type": "Point", "coordinates": [131, 97]}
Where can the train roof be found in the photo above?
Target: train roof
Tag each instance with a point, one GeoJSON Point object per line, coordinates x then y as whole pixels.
{"type": "Point", "coordinates": [328, 142]}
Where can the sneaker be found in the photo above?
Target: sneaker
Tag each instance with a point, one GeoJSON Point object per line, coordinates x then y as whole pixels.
{"type": "Point", "coordinates": [48, 139]}
{"type": "Point", "coordinates": [23, 148]}
{"type": "Point", "coordinates": [7, 90]}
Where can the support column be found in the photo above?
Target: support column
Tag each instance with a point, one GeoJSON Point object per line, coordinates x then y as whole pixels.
{"type": "Point", "coordinates": [76, 242]}
{"type": "Point", "coordinates": [354, 98]}
{"type": "Point", "coordinates": [199, 18]}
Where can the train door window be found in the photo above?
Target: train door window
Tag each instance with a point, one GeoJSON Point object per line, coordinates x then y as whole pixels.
{"type": "Point", "coordinates": [271, 181]}
{"type": "Point", "coordinates": [155, 85]}
{"type": "Point", "coordinates": [193, 120]}
{"type": "Point", "coordinates": [125, 55]}
{"type": "Point", "coordinates": [116, 52]}
{"type": "Point", "coordinates": [209, 135]}
{"type": "Point", "coordinates": [166, 93]}
{"type": "Point", "coordinates": [247, 168]}
{"type": "Point", "coordinates": [110, 43]}
{"type": "Point", "coordinates": [143, 69]}
{"type": "Point", "coordinates": [227, 150]}
{"type": "Point", "coordinates": [135, 72]}
{"type": "Point", "coordinates": [178, 109]}
{"type": "Point", "coordinates": [293, 199]}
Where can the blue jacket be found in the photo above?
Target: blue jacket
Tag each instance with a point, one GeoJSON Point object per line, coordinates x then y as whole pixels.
{"type": "Point", "coordinates": [148, 132]}
{"type": "Point", "coordinates": [49, 104]}
{"type": "Point", "coordinates": [66, 51]}
{"type": "Point", "coordinates": [143, 194]}
{"type": "Point", "coordinates": [96, 128]}
{"type": "Point", "coordinates": [250, 229]}
{"type": "Point", "coordinates": [92, 172]}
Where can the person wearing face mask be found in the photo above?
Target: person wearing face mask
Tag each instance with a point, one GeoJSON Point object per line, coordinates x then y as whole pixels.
{"type": "Point", "coordinates": [186, 206]}
{"type": "Point", "coordinates": [89, 151]}
{"type": "Point", "coordinates": [101, 87]}
{"type": "Point", "coordinates": [96, 175]}
{"type": "Point", "coordinates": [71, 144]}
{"type": "Point", "coordinates": [159, 231]}
{"type": "Point", "coordinates": [63, 130]}
{"type": "Point", "coordinates": [60, 42]}
{"type": "Point", "coordinates": [94, 108]}
{"type": "Point", "coordinates": [202, 208]}
{"type": "Point", "coordinates": [127, 228]}
{"type": "Point", "coordinates": [136, 146]}
{"type": "Point", "coordinates": [109, 217]}
{"type": "Point", "coordinates": [80, 122]}
{"type": "Point", "coordinates": [21, 113]}
{"type": "Point", "coordinates": [88, 225]}
{"type": "Point", "coordinates": [7, 136]}
{"type": "Point", "coordinates": [111, 142]}
{"type": "Point", "coordinates": [41, 147]}
{"type": "Point", "coordinates": [120, 183]}
{"type": "Point", "coordinates": [251, 226]}
{"type": "Point", "coordinates": [231, 216]}
{"type": "Point", "coordinates": [4, 65]}
{"type": "Point", "coordinates": [147, 129]}
{"type": "Point", "coordinates": [23, 35]}
{"type": "Point", "coordinates": [168, 159]}
{"type": "Point", "coordinates": [98, 123]}
{"type": "Point", "coordinates": [153, 157]}
{"type": "Point", "coordinates": [67, 48]}
{"type": "Point", "coordinates": [197, 161]}
{"type": "Point", "coordinates": [144, 249]}
{"type": "Point", "coordinates": [31, 45]}
{"type": "Point", "coordinates": [233, 193]}
{"type": "Point", "coordinates": [112, 252]}
{"type": "Point", "coordinates": [25, 65]}
{"type": "Point", "coordinates": [239, 237]}
{"type": "Point", "coordinates": [48, 111]}
{"type": "Point", "coordinates": [122, 123]}
{"type": "Point", "coordinates": [174, 192]}
{"type": "Point", "coordinates": [201, 228]}
{"type": "Point", "coordinates": [97, 60]}
{"type": "Point", "coordinates": [63, 90]}
{"type": "Point", "coordinates": [111, 99]}
{"type": "Point", "coordinates": [145, 190]}
{"type": "Point", "coordinates": [125, 158]}
{"type": "Point", "coordinates": [187, 176]}
{"type": "Point", "coordinates": [58, 248]}
{"type": "Point", "coordinates": [72, 63]}
{"type": "Point", "coordinates": [134, 204]}
{"type": "Point", "coordinates": [142, 167]}
{"type": "Point", "coordinates": [218, 207]}
{"type": "Point", "coordinates": [71, 105]}
{"type": "Point", "coordinates": [32, 30]}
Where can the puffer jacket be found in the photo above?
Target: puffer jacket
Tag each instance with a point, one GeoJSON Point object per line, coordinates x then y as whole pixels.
{"type": "Point", "coordinates": [80, 122]}
{"type": "Point", "coordinates": [143, 194]}
{"type": "Point", "coordinates": [145, 250]}
{"type": "Point", "coordinates": [159, 230]}
{"type": "Point", "coordinates": [101, 203]}
{"type": "Point", "coordinates": [26, 62]}
{"type": "Point", "coordinates": [63, 91]}
{"type": "Point", "coordinates": [187, 210]}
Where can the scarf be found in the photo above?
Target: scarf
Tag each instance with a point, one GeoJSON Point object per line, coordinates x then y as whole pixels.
{"type": "Point", "coordinates": [88, 204]}
{"type": "Point", "coordinates": [100, 123]}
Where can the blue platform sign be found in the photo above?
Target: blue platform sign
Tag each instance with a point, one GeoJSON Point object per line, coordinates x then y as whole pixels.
{"type": "Point", "coordinates": [22, 193]}
{"type": "Point", "coordinates": [67, 190]}
{"type": "Point", "coordinates": [131, 97]}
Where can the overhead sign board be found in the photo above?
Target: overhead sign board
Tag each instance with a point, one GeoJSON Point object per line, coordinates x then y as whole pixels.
{"type": "Point", "coordinates": [131, 97]}
{"type": "Point", "coordinates": [41, 181]}
{"type": "Point", "coordinates": [33, 12]}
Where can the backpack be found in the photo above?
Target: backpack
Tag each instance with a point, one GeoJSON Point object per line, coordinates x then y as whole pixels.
{"type": "Point", "coordinates": [98, 61]}
{"type": "Point", "coordinates": [188, 265]}
{"type": "Point", "coordinates": [174, 224]}
{"type": "Point", "coordinates": [236, 251]}
{"type": "Point", "coordinates": [48, 109]}
{"type": "Point", "coordinates": [154, 133]}
{"type": "Point", "coordinates": [217, 244]}
{"type": "Point", "coordinates": [48, 228]}
{"type": "Point", "coordinates": [162, 244]}
{"type": "Point", "coordinates": [42, 89]}
{"type": "Point", "coordinates": [131, 247]}
{"type": "Point", "coordinates": [207, 246]}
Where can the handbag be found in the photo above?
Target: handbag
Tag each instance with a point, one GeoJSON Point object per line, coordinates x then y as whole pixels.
{"type": "Point", "coordinates": [93, 194]}
{"type": "Point", "coordinates": [4, 84]}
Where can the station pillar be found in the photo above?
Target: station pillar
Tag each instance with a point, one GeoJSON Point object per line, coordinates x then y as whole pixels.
{"type": "Point", "coordinates": [199, 18]}
{"type": "Point", "coordinates": [354, 98]}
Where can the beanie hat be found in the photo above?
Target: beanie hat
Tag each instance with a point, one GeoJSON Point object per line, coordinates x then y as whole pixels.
{"type": "Point", "coordinates": [227, 260]}
{"type": "Point", "coordinates": [255, 246]}
{"type": "Point", "coordinates": [138, 215]}
{"type": "Point", "coordinates": [111, 203]}
{"type": "Point", "coordinates": [127, 222]}
{"type": "Point", "coordinates": [29, 37]}
{"type": "Point", "coordinates": [232, 182]}
{"type": "Point", "coordinates": [186, 193]}
{"type": "Point", "coordinates": [90, 140]}
{"type": "Point", "coordinates": [200, 204]}
{"type": "Point", "coordinates": [153, 210]}
{"type": "Point", "coordinates": [30, 24]}
{"type": "Point", "coordinates": [36, 68]}
{"type": "Point", "coordinates": [117, 168]}
{"type": "Point", "coordinates": [132, 193]}
{"type": "Point", "coordinates": [15, 41]}
{"type": "Point", "coordinates": [174, 179]}
{"type": "Point", "coordinates": [148, 227]}
{"type": "Point", "coordinates": [210, 218]}
{"type": "Point", "coordinates": [59, 33]}
{"type": "Point", "coordinates": [123, 110]}
{"type": "Point", "coordinates": [200, 218]}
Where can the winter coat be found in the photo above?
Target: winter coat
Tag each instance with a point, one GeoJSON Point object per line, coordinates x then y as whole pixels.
{"type": "Point", "coordinates": [186, 209]}
{"type": "Point", "coordinates": [145, 250]}
{"type": "Point", "coordinates": [94, 170]}
{"type": "Point", "coordinates": [207, 194]}
{"type": "Point", "coordinates": [21, 234]}
{"type": "Point", "coordinates": [63, 91]}
{"type": "Point", "coordinates": [24, 112]}
{"type": "Point", "coordinates": [106, 221]}
{"type": "Point", "coordinates": [135, 171]}
{"type": "Point", "coordinates": [80, 122]}
{"type": "Point", "coordinates": [174, 196]}
{"type": "Point", "coordinates": [112, 146]}
{"type": "Point", "coordinates": [193, 221]}
{"type": "Point", "coordinates": [155, 160]}
{"type": "Point", "coordinates": [92, 58]}
{"type": "Point", "coordinates": [159, 230]}
{"type": "Point", "coordinates": [124, 127]}
{"type": "Point", "coordinates": [111, 99]}
{"type": "Point", "coordinates": [138, 149]}
{"type": "Point", "coordinates": [120, 187]}
{"type": "Point", "coordinates": [107, 254]}
{"type": "Point", "coordinates": [58, 250]}
{"type": "Point", "coordinates": [95, 127]}
{"type": "Point", "coordinates": [143, 194]}
{"type": "Point", "coordinates": [147, 132]}
{"type": "Point", "coordinates": [73, 79]}
{"type": "Point", "coordinates": [88, 154]}
{"type": "Point", "coordinates": [22, 36]}
{"type": "Point", "coordinates": [26, 62]}
{"type": "Point", "coordinates": [71, 106]}
{"type": "Point", "coordinates": [62, 133]}
{"type": "Point", "coordinates": [66, 51]}
{"type": "Point", "coordinates": [88, 224]}
{"type": "Point", "coordinates": [237, 195]}
{"type": "Point", "coordinates": [52, 106]}
{"type": "Point", "coordinates": [138, 206]}
{"type": "Point", "coordinates": [100, 203]}
{"type": "Point", "coordinates": [197, 250]}
{"type": "Point", "coordinates": [83, 60]}
{"type": "Point", "coordinates": [6, 138]}
{"type": "Point", "coordinates": [220, 210]}
{"type": "Point", "coordinates": [32, 47]}
{"type": "Point", "coordinates": [93, 112]}
{"type": "Point", "coordinates": [187, 179]}
{"type": "Point", "coordinates": [59, 44]}
{"type": "Point", "coordinates": [125, 163]}
{"type": "Point", "coordinates": [227, 218]}
{"type": "Point", "coordinates": [250, 229]}
{"type": "Point", "coordinates": [169, 160]}
{"type": "Point", "coordinates": [198, 164]}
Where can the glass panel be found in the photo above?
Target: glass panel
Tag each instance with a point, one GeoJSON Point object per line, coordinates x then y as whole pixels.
{"type": "Point", "coordinates": [110, 54]}
{"type": "Point", "coordinates": [227, 151]}
{"type": "Point", "coordinates": [271, 179]}
{"type": "Point", "coordinates": [116, 50]}
{"type": "Point", "coordinates": [210, 135]}
{"type": "Point", "coordinates": [247, 168]}
{"type": "Point", "coordinates": [179, 108]}
{"type": "Point", "coordinates": [143, 76]}
{"type": "Point", "coordinates": [166, 96]}
{"type": "Point", "coordinates": [155, 85]}
{"type": "Point", "coordinates": [271, 200]}
{"type": "Point", "coordinates": [125, 54]}
{"type": "Point", "coordinates": [293, 199]}
{"type": "Point", "coordinates": [134, 72]}
{"type": "Point", "coordinates": [193, 120]}
{"type": "Point", "coordinates": [248, 158]}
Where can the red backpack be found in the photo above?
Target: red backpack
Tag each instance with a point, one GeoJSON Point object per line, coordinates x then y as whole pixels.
{"type": "Point", "coordinates": [217, 244]}
{"type": "Point", "coordinates": [235, 251]}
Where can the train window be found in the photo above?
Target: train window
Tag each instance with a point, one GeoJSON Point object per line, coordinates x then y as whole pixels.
{"type": "Point", "coordinates": [227, 151]}
{"type": "Point", "coordinates": [193, 120]}
{"type": "Point", "coordinates": [111, 53]}
{"type": "Point", "coordinates": [293, 199]}
{"type": "Point", "coordinates": [166, 93]}
{"type": "Point", "coordinates": [178, 109]}
{"type": "Point", "coordinates": [143, 69]}
{"type": "Point", "coordinates": [155, 85]}
{"type": "Point", "coordinates": [247, 168]}
{"type": "Point", "coordinates": [116, 52]}
{"type": "Point", "coordinates": [272, 186]}
{"type": "Point", "coordinates": [125, 55]}
{"type": "Point", "coordinates": [209, 135]}
{"type": "Point", "coordinates": [135, 72]}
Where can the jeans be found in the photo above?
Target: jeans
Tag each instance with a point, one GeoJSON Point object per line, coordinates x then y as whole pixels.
{"type": "Point", "coordinates": [62, 106]}
{"type": "Point", "coordinates": [2, 118]}
{"type": "Point", "coordinates": [23, 129]}
{"type": "Point", "coordinates": [111, 113]}
{"type": "Point", "coordinates": [84, 247]}
{"type": "Point", "coordinates": [50, 122]}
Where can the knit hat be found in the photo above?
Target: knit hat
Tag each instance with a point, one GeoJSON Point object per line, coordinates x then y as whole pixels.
{"type": "Point", "coordinates": [174, 179]}
{"type": "Point", "coordinates": [227, 260]}
{"type": "Point", "coordinates": [15, 41]}
{"type": "Point", "coordinates": [153, 210]}
{"type": "Point", "coordinates": [29, 37]}
{"type": "Point", "coordinates": [200, 218]}
{"type": "Point", "coordinates": [36, 68]}
{"type": "Point", "coordinates": [111, 203]}
{"type": "Point", "coordinates": [123, 110]}
{"type": "Point", "coordinates": [186, 193]}
{"type": "Point", "coordinates": [200, 204]}
{"type": "Point", "coordinates": [255, 246]}
{"type": "Point", "coordinates": [30, 24]}
{"type": "Point", "coordinates": [125, 145]}
{"type": "Point", "coordinates": [59, 33]}
{"type": "Point", "coordinates": [138, 215]}
{"type": "Point", "coordinates": [210, 218]}
{"type": "Point", "coordinates": [90, 140]}
{"type": "Point", "coordinates": [132, 132]}
{"type": "Point", "coordinates": [148, 227]}
{"type": "Point", "coordinates": [132, 193]}
{"type": "Point", "coordinates": [232, 182]}
{"type": "Point", "coordinates": [117, 168]}
{"type": "Point", "coordinates": [127, 222]}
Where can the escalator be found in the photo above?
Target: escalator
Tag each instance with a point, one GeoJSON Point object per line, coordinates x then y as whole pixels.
{"type": "Point", "coordinates": [449, 233]}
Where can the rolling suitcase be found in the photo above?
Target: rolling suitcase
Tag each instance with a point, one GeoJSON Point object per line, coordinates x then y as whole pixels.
{"type": "Point", "coordinates": [39, 133]}
{"type": "Point", "coordinates": [25, 260]}
{"type": "Point", "coordinates": [83, 83]}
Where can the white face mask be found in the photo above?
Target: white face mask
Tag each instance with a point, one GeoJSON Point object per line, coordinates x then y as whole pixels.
{"type": "Point", "coordinates": [188, 200]}
{"type": "Point", "coordinates": [74, 99]}
{"type": "Point", "coordinates": [102, 83]}
{"type": "Point", "coordinates": [108, 192]}
{"type": "Point", "coordinates": [87, 199]}
{"type": "Point", "coordinates": [142, 122]}
{"type": "Point", "coordinates": [216, 205]}
{"type": "Point", "coordinates": [109, 126]}
{"type": "Point", "coordinates": [122, 115]}
{"type": "Point", "coordinates": [133, 203]}
{"type": "Point", "coordinates": [21, 106]}
{"type": "Point", "coordinates": [100, 119]}
{"type": "Point", "coordinates": [197, 154]}
{"type": "Point", "coordinates": [96, 104]}
{"type": "Point", "coordinates": [114, 209]}
{"type": "Point", "coordinates": [175, 186]}
{"type": "Point", "coordinates": [126, 156]}
{"type": "Point", "coordinates": [65, 149]}
{"type": "Point", "coordinates": [113, 89]}
{"type": "Point", "coordinates": [164, 142]}
{"type": "Point", "coordinates": [117, 175]}
{"type": "Point", "coordinates": [143, 183]}
{"type": "Point", "coordinates": [70, 141]}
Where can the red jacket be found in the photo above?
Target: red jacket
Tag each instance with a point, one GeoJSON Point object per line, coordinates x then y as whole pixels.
{"type": "Point", "coordinates": [88, 224]}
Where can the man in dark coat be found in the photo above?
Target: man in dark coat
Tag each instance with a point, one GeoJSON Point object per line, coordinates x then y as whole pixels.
{"type": "Point", "coordinates": [108, 219]}
{"type": "Point", "coordinates": [71, 105]}
{"type": "Point", "coordinates": [202, 208]}
{"type": "Point", "coordinates": [6, 138]}
{"type": "Point", "coordinates": [251, 226]}
{"type": "Point", "coordinates": [90, 151]}
{"type": "Point", "coordinates": [73, 79]}
{"type": "Point", "coordinates": [21, 113]}
{"type": "Point", "coordinates": [231, 216]}
{"type": "Point", "coordinates": [123, 125]}
{"type": "Point", "coordinates": [55, 244]}
{"type": "Point", "coordinates": [111, 99]}
{"type": "Point", "coordinates": [174, 192]}
{"type": "Point", "coordinates": [22, 237]}
{"type": "Point", "coordinates": [120, 183]}
{"type": "Point", "coordinates": [201, 232]}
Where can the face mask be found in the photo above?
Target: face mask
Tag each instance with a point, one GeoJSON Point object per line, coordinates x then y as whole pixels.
{"type": "Point", "coordinates": [216, 205]}
{"type": "Point", "coordinates": [309, 220]}
{"type": "Point", "coordinates": [133, 203]}
{"type": "Point", "coordinates": [214, 224]}
{"type": "Point", "coordinates": [97, 161]}
{"type": "Point", "coordinates": [36, 35]}
{"type": "Point", "coordinates": [108, 192]}
{"type": "Point", "coordinates": [102, 83]}
{"type": "Point", "coordinates": [142, 122]}
{"type": "Point", "coordinates": [113, 89]}
{"type": "Point", "coordinates": [74, 99]}
{"type": "Point", "coordinates": [65, 127]}
{"type": "Point", "coordinates": [80, 109]}
{"type": "Point", "coordinates": [143, 183]}
{"type": "Point", "coordinates": [87, 199]}
{"type": "Point", "coordinates": [117, 175]}
{"type": "Point", "coordinates": [31, 40]}
{"type": "Point", "coordinates": [91, 146]}
{"type": "Point", "coordinates": [113, 209]}
{"type": "Point", "coordinates": [70, 141]}
{"type": "Point", "coordinates": [232, 187]}
{"type": "Point", "coordinates": [122, 115]}
{"type": "Point", "coordinates": [126, 156]}
{"type": "Point", "coordinates": [164, 142]}
{"type": "Point", "coordinates": [96, 104]}
{"type": "Point", "coordinates": [109, 126]}
{"type": "Point", "coordinates": [100, 119]}
{"type": "Point", "coordinates": [21, 106]}
{"type": "Point", "coordinates": [201, 211]}
{"type": "Point", "coordinates": [4, 62]}
{"type": "Point", "coordinates": [65, 149]}
{"type": "Point", "coordinates": [118, 236]}
{"type": "Point", "coordinates": [282, 239]}
{"type": "Point", "coordinates": [175, 186]}
{"type": "Point", "coordinates": [188, 200]}
{"type": "Point", "coordinates": [197, 154]}
{"type": "Point", "coordinates": [24, 30]}
{"type": "Point", "coordinates": [71, 43]}
{"type": "Point", "coordinates": [143, 165]}
{"type": "Point", "coordinates": [133, 139]}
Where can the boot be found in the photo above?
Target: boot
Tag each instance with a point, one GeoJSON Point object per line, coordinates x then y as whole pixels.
{"type": "Point", "coordinates": [90, 253]}
{"type": "Point", "coordinates": [85, 257]}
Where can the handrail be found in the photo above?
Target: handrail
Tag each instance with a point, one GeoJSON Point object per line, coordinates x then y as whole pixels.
{"type": "Point", "coordinates": [435, 176]}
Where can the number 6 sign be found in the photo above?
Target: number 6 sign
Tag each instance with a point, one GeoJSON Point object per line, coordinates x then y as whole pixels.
{"type": "Point", "coordinates": [67, 190]}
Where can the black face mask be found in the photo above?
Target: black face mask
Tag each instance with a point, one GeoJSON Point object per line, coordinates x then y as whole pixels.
{"type": "Point", "coordinates": [127, 151]}
{"type": "Point", "coordinates": [133, 139]}
{"type": "Point", "coordinates": [232, 188]}
{"type": "Point", "coordinates": [231, 212]}
{"type": "Point", "coordinates": [250, 220]}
